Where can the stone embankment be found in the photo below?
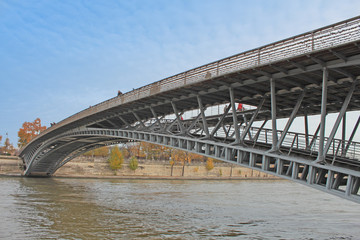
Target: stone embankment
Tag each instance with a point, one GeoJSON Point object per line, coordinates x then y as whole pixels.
{"type": "Point", "coordinates": [10, 165]}
{"type": "Point", "coordinates": [98, 167]}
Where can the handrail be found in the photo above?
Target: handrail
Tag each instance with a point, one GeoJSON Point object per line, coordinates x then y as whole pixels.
{"type": "Point", "coordinates": [337, 146]}
{"type": "Point", "coordinates": [294, 140]}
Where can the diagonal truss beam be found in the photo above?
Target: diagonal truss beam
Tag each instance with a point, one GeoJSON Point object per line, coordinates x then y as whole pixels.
{"type": "Point", "coordinates": [203, 117]}
{"type": "Point", "coordinates": [351, 136]}
{"type": "Point", "coordinates": [255, 114]}
{"type": "Point", "coordinates": [340, 116]}
{"type": "Point", "coordinates": [178, 119]}
{"type": "Point", "coordinates": [124, 121]}
{"type": "Point", "coordinates": [193, 123]}
{"type": "Point", "coordinates": [155, 116]}
{"type": "Point", "coordinates": [218, 125]}
{"type": "Point", "coordinates": [291, 119]}
{"type": "Point", "coordinates": [139, 119]}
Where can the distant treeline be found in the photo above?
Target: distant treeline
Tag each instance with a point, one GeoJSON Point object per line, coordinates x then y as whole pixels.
{"type": "Point", "coordinates": [150, 151]}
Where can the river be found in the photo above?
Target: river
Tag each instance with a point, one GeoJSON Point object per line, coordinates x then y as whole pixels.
{"type": "Point", "coordinates": [59, 208]}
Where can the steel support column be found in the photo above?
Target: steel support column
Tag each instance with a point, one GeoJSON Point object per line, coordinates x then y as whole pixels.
{"type": "Point", "coordinates": [235, 120]}
{"type": "Point", "coordinates": [206, 128]}
{"type": "Point", "coordinates": [273, 115]}
{"type": "Point", "coordinates": [321, 155]}
{"type": "Point", "coordinates": [306, 122]}
{"type": "Point", "coordinates": [349, 185]}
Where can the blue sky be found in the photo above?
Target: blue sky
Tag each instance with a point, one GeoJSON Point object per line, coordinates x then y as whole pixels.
{"type": "Point", "coordinates": [59, 57]}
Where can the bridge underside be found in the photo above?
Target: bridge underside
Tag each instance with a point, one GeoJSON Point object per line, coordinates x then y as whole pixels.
{"type": "Point", "coordinates": [202, 116]}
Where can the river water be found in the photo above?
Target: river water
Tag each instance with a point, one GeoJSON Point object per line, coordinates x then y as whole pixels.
{"type": "Point", "coordinates": [56, 208]}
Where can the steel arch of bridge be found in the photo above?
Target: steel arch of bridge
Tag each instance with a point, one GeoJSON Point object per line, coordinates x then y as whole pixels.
{"type": "Point", "coordinates": [315, 73]}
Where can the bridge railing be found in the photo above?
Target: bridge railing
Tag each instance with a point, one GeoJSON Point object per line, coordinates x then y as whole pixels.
{"type": "Point", "coordinates": [293, 140]}
{"type": "Point", "coordinates": [297, 141]}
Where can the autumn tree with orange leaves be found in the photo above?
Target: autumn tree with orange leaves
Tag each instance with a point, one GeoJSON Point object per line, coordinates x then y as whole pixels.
{"type": "Point", "coordinates": [183, 157]}
{"type": "Point", "coordinates": [8, 148]}
{"type": "Point", "coordinates": [28, 131]}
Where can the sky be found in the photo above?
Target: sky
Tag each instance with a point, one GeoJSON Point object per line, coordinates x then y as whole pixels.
{"type": "Point", "coordinates": [58, 57]}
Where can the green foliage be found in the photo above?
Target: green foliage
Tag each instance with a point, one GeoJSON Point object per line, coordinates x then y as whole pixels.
{"type": "Point", "coordinates": [133, 164]}
{"type": "Point", "coordinates": [116, 159]}
{"type": "Point", "coordinates": [209, 164]}
{"type": "Point", "coordinates": [220, 172]}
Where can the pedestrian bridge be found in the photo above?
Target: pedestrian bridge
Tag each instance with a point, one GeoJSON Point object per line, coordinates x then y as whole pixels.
{"type": "Point", "coordinates": [312, 74]}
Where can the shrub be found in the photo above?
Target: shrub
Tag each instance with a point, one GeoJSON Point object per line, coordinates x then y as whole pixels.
{"type": "Point", "coordinates": [209, 164]}
{"type": "Point", "coordinates": [133, 164]}
{"type": "Point", "coordinates": [116, 159]}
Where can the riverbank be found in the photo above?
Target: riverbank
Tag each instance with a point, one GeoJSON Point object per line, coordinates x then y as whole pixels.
{"type": "Point", "coordinates": [10, 166]}
{"type": "Point", "coordinates": [98, 167]}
